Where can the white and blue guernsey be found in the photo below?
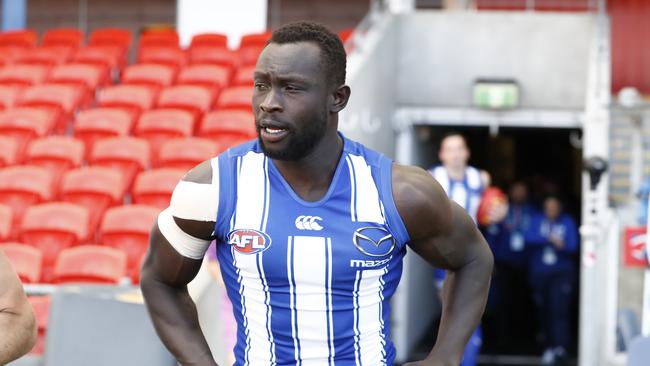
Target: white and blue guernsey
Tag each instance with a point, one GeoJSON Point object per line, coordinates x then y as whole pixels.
{"type": "Point", "coordinates": [310, 282]}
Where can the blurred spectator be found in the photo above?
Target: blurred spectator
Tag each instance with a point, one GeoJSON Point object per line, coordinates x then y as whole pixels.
{"type": "Point", "coordinates": [644, 194]}
{"type": "Point", "coordinates": [507, 240]}
{"type": "Point", "coordinates": [552, 241]}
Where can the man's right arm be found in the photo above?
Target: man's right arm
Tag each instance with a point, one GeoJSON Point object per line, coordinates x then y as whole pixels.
{"type": "Point", "coordinates": [178, 242]}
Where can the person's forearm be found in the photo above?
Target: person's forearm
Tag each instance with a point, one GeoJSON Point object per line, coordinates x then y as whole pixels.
{"type": "Point", "coordinates": [17, 334]}
{"type": "Point", "coordinates": [463, 301]}
{"type": "Point", "coordinates": [176, 321]}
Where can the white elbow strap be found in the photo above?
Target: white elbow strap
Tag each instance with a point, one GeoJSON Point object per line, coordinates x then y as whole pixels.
{"type": "Point", "coordinates": [197, 201]}
{"type": "Point", "coordinates": [185, 244]}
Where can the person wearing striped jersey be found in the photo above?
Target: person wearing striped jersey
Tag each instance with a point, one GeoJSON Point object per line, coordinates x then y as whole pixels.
{"type": "Point", "coordinates": [464, 185]}
{"type": "Point", "coordinates": [311, 230]}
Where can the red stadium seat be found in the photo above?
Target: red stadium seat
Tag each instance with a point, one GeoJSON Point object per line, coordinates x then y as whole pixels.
{"type": "Point", "coordinates": [110, 57]}
{"type": "Point", "coordinates": [155, 187]}
{"type": "Point", "coordinates": [26, 123]}
{"type": "Point", "coordinates": [61, 99]}
{"type": "Point", "coordinates": [236, 97]}
{"type": "Point", "coordinates": [95, 188]}
{"type": "Point", "coordinates": [134, 98]}
{"type": "Point", "coordinates": [244, 76]}
{"type": "Point", "coordinates": [228, 127]}
{"type": "Point", "coordinates": [90, 264]}
{"type": "Point", "coordinates": [254, 39]}
{"type": "Point", "coordinates": [26, 260]}
{"type": "Point", "coordinates": [186, 153]}
{"type": "Point", "coordinates": [25, 38]}
{"type": "Point", "coordinates": [213, 77]}
{"type": "Point", "coordinates": [52, 227]}
{"type": "Point", "coordinates": [111, 36]}
{"type": "Point", "coordinates": [202, 55]}
{"type": "Point", "coordinates": [41, 306]}
{"type": "Point", "coordinates": [23, 186]}
{"type": "Point", "coordinates": [158, 39]}
{"type": "Point", "coordinates": [89, 76]}
{"type": "Point", "coordinates": [248, 55]}
{"type": "Point", "coordinates": [9, 96]}
{"type": "Point", "coordinates": [48, 56]}
{"type": "Point", "coordinates": [67, 37]}
{"type": "Point", "coordinates": [150, 75]}
{"type": "Point", "coordinates": [127, 228]}
{"type": "Point", "coordinates": [9, 54]}
{"type": "Point", "coordinates": [171, 56]}
{"type": "Point", "coordinates": [194, 99]}
{"type": "Point", "coordinates": [6, 222]}
{"type": "Point", "coordinates": [209, 40]}
{"type": "Point", "coordinates": [8, 151]}
{"type": "Point", "coordinates": [160, 125]}
{"type": "Point", "coordinates": [94, 124]}
{"type": "Point", "coordinates": [57, 154]}
{"type": "Point", "coordinates": [345, 34]}
{"type": "Point", "coordinates": [128, 154]}
{"type": "Point", "coordinates": [23, 75]}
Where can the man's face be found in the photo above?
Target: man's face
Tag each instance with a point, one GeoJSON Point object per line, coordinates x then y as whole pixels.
{"type": "Point", "coordinates": [518, 193]}
{"type": "Point", "coordinates": [454, 152]}
{"type": "Point", "coordinates": [290, 100]}
{"type": "Point", "coordinates": [552, 208]}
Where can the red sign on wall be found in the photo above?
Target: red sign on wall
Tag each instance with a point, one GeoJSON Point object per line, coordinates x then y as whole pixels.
{"type": "Point", "coordinates": [635, 254]}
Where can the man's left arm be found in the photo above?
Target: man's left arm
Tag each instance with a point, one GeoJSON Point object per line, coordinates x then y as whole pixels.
{"type": "Point", "coordinates": [444, 235]}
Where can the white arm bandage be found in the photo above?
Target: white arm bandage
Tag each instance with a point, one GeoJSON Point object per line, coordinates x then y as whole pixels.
{"type": "Point", "coordinates": [191, 201]}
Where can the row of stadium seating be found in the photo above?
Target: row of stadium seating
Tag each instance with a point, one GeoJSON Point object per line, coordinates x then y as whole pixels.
{"type": "Point", "coordinates": [46, 230]}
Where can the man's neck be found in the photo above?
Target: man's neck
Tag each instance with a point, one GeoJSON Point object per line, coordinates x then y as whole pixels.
{"type": "Point", "coordinates": [311, 176]}
{"type": "Point", "coordinates": [456, 173]}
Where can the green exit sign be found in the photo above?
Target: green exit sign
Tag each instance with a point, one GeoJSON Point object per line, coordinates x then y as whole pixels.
{"type": "Point", "coordinates": [496, 94]}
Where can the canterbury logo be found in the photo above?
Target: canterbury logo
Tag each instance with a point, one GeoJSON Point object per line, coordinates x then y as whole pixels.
{"type": "Point", "coordinates": [308, 223]}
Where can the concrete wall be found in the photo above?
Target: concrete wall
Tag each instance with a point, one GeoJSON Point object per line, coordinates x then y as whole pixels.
{"type": "Point", "coordinates": [370, 74]}
{"type": "Point", "coordinates": [441, 54]}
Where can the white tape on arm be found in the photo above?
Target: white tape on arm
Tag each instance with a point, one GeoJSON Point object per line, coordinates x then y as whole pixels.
{"type": "Point", "coordinates": [185, 244]}
{"type": "Point", "coordinates": [197, 201]}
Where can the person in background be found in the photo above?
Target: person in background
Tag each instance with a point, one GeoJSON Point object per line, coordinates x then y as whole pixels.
{"type": "Point", "coordinates": [463, 184]}
{"type": "Point", "coordinates": [507, 240]}
{"type": "Point", "coordinates": [552, 242]}
{"type": "Point", "coordinates": [643, 194]}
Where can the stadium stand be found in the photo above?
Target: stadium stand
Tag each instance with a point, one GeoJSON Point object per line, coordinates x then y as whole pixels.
{"type": "Point", "coordinates": [48, 56]}
{"type": "Point", "coordinates": [41, 306]}
{"type": "Point", "coordinates": [186, 153]}
{"type": "Point", "coordinates": [237, 97]}
{"type": "Point", "coordinates": [154, 187]}
{"type": "Point", "coordinates": [128, 154]}
{"type": "Point", "coordinates": [194, 99]}
{"type": "Point", "coordinates": [23, 75]}
{"type": "Point", "coordinates": [153, 76]}
{"type": "Point", "coordinates": [110, 57]}
{"type": "Point", "coordinates": [52, 227]}
{"type": "Point", "coordinates": [160, 125]}
{"type": "Point", "coordinates": [6, 219]}
{"type": "Point", "coordinates": [24, 186]}
{"type": "Point", "coordinates": [94, 124]}
{"type": "Point", "coordinates": [90, 264]}
{"type": "Point", "coordinates": [57, 154]}
{"type": "Point", "coordinates": [209, 40]}
{"type": "Point", "coordinates": [171, 56]}
{"type": "Point", "coordinates": [213, 77]}
{"type": "Point", "coordinates": [25, 38]}
{"type": "Point", "coordinates": [88, 77]}
{"type": "Point", "coordinates": [133, 98]}
{"type": "Point", "coordinates": [228, 126]}
{"type": "Point", "coordinates": [244, 76]}
{"type": "Point", "coordinates": [27, 260]}
{"type": "Point", "coordinates": [9, 95]}
{"type": "Point", "coordinates": [8, 151]}
{"type": "Point", "coordinates": [62, 100]}
{"type": "Point", "coordinates": [207, 55]}
{"type": "Point", "coordinates": [112, 37]}
{"type": "Point", "coordinates": [67, 37]}
{"type": "Point", "coordinates": [127, 228]}
{"type": "Point", "coordinates": [96, 188]}
{"type": "Point", "coordinates": [25, 124]}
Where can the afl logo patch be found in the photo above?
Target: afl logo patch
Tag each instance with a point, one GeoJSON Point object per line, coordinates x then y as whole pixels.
{"type": "Point", "coordinates": [249, 241]}
{"type": "Point", "coordinates": [374, 241]}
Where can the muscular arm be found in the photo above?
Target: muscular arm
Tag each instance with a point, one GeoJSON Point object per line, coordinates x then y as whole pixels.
{"type": "Point", "coordinates": [165, 275]}
{"type": "Point", "coordinates": [17, 323]}
{"type": "Point", "coordinates": [444, 235]}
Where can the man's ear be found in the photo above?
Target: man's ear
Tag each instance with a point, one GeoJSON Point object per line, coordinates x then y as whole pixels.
{"type": "Point", "coordinates": [340, 97]}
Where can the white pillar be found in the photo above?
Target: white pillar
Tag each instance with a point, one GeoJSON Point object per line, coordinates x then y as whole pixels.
{"type": "Point", "coordinates": [233, 18]}
{"type": "Point", "coordinates": [401, 6]}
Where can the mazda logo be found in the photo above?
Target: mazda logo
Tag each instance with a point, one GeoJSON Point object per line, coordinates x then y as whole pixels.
{"type": "Point", "coordinates": [373, 241]}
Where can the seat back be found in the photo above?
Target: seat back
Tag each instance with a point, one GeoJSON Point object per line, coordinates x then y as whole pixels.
{"type": "Point", "coordinates": [24, 186]}
{"type": "Point", "coordinates": [135, 98]}
{"type": "Point", "coordinates": [186, 153]}
{"type": "Point", "coordinates": [228, 125]}
{"type": "Point", "coordinates": [91, 125]}
{"type": "Point", "coordinates": [23, 75]}
{"type": "Point", "coordinates": [154, 187]}
{"type": "Point", "coordinates": [128, 154]}
{"type": "Point", "coordinates": [6, 222]}
{"type": "Point", "coordinates": [150, 75]}
{"type": "Point", "coordinates": [68, 37]}
{"type": "Point", "coordinates": [160, 125]}
{"type": "Point", "coordinates": [41, 307]}
{"type": "Point", "coordinates": [163, 55]}
{"type": "Point", "coordinates": [209, 40]}
{"type": "Point", "coordinates": [237, 97]}
{"type": "Point", "coordinates": [57, 154]}
{"type": "Point", "coordinates": [213, 77]}
{"type": "Point", "coordinates": [8, 151]}
{"type": "Point", "coordinates": [202, 55]}
{"type": "Point", "coordinates": [26, 260]}
{"type": "Point", "coordinates": [26, 123]}
{"type": "Point", "coordinates": [244, 76]}
{"type": "Point", "coordinates": [90, 264]}
{"type": "Point", "coordinates": [194, 99]}
{"type": "Point", "coordinates": [9, 95]}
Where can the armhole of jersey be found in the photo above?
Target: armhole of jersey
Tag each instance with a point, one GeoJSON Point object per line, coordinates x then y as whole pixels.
{"type": "Point", "coordinates": [390, 209]}
{"type": "Point", "coordinates": [226, 196]}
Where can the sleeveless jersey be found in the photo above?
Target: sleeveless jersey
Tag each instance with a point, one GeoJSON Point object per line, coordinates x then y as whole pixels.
{"type": "Point", "coordinates": [467, 192]}
{"type": "Point", "coordinates": [310, 282]}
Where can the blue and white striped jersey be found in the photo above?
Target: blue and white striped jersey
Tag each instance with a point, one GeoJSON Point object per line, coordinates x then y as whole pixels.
{"type": "Point", "coordinates": [467, 192]}
{"type": "Point", "coordinates": [310, 282]}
